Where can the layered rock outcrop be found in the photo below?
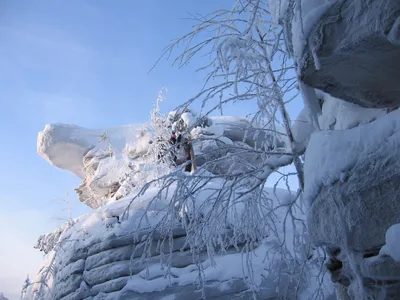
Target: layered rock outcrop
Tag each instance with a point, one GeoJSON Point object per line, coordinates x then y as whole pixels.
{"type": "Point", "coordinates": [350, 50]}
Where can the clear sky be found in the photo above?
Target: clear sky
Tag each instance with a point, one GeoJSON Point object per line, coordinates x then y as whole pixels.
{"type": "Point", "coordinates": [79, 62]}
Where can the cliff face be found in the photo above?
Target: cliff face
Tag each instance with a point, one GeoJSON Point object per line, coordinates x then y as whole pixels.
{"type": "Point", "coordinates": [350, 50]}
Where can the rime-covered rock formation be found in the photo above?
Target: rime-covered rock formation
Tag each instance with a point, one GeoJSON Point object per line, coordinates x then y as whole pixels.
{"type": "Point", "coordinates": [352, 192]}
{"type": "Point", "coordinates": [104, 158]}
{"type": "Point", "coordinates": [93, 155]}
{"type": "Point", "coordinates": [348, 49]}
{"type": "Point", "coordinates": [107, 255]}
{"type": "Point", "coordinates": [130, 249]}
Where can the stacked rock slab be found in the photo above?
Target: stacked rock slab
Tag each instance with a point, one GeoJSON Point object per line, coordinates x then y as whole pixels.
{"type": "Point", "coordinates": [355, 200]}
{"type": "Point", "coordinates": [357, 59]}
{"type": "Point", "coordinates": [103, 269]}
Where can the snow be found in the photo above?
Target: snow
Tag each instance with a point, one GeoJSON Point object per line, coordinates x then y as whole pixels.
{"type": "Point", "coordinates": [188, 119]}
{"type": "Point", "coordinates": [338, 114]}
{"type": "Point", "coordinates": [331, 153]}
{"type": "Point", "coordinates": [225, 267]}
{"type": "Point", "coordinates": [65, 145]}
{"type": "Point", "coordinates": [392, 246]}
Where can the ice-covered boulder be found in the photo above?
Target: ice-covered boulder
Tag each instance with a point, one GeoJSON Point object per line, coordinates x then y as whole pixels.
{"type": "Point", "coordinates": [349, 49]}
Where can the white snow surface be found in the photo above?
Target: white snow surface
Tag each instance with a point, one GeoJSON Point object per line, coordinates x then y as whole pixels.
{"type": "Point", "coordinates": [336, 114]}
{"type": "Point", "coordinates": [332, 154]}
{"type": "Point", "coordinates": [302, 129]}
{"type": "Point", "coordinates": [392, 246]}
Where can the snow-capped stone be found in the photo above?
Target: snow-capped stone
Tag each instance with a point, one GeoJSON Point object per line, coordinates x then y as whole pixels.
{"type": "Point", "coordinates": [368, 156]}
{"type": "Point", "coordinates": [358, 61]}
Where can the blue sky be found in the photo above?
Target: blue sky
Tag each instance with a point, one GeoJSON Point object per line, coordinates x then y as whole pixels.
{"type": "Point", "coordinates": [79, 62]}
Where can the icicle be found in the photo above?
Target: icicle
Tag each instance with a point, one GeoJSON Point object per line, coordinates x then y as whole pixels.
{"type": "Point", "coordinates": [317, 62]}
{"type": "Point", "coordinates": [311, 103]}
{"type": "Point", "coordinates": [394, 33]}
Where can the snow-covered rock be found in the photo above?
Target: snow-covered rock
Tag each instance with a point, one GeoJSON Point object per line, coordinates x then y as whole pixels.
{"type": "Point", "coordinates": [96, 156]}
{"type": "Point", "coordinates": [351, 187]}
{"type": "Point", "coordinates": [351, 51]}
{"type": "Point", "coordinates": [106, 159]}
{"type": "Point", "coordinates": [346, 172]}
{"type": "Point", "coordinates": [104, 256]}
{"type": "Point", "coordinates": [299, 18]}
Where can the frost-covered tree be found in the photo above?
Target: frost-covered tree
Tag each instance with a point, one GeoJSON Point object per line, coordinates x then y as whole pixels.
{"type": "Point", "coordinates": [248, 62]}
